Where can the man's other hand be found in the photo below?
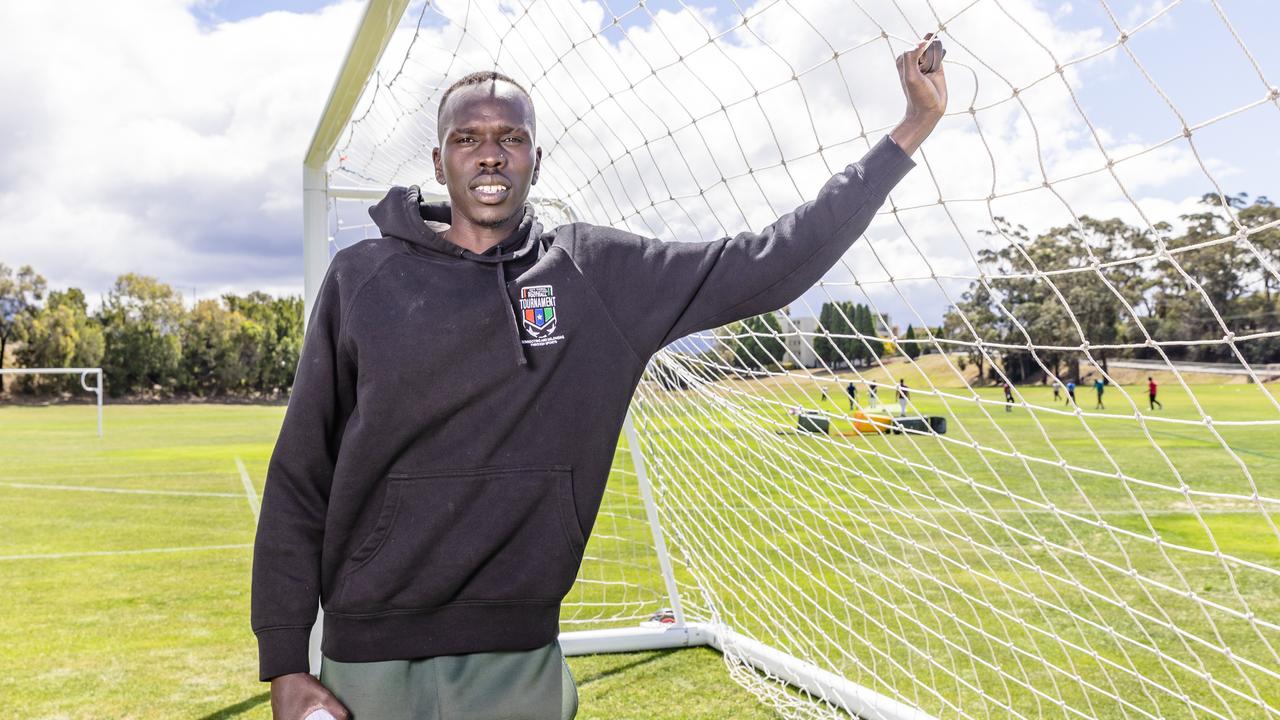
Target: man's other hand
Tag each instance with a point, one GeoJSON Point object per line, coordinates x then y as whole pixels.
{"type": "Point", "coordinates": [297, 695]}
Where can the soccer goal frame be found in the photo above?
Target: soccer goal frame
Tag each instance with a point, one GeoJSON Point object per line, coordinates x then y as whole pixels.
{"type": "Point", "coordinates": [373, 33]}
{"type": "Point", "coordinates": [84, 373]}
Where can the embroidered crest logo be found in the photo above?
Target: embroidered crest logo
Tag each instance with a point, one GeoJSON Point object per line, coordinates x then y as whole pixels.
{"type": "Point", "coordinates": [538, 310]}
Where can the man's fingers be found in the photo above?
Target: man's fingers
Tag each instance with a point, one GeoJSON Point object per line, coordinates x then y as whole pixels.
{"type": "Point", "coordinates": [331, 709]}
{"type": "Point", "coordinates": [339, 710]}
{"type": "Point", "coordinates": [920, 57]}
{"type": "Point", "coordinates": [931, 57]}
{"type": "Point", "coordinates": [336, 708]}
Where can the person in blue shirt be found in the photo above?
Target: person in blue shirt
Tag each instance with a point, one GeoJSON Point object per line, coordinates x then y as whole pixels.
{"type": "Point", "coordinates": [1098, 387]}
{"type": "Point", "coordinates": [1071, 391]}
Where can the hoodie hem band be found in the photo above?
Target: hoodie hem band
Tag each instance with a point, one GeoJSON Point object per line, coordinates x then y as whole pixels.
{"type": "Point", "coordinates": [447, 630]}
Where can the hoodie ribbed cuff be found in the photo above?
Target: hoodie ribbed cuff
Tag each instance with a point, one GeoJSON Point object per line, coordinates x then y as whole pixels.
{"type": "Point", "coordinates": [282, 651]}
{"type": "Point", "coordinates": [885, 164]}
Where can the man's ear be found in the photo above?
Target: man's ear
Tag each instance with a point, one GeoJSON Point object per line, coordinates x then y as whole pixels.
{"type": "Point", "coordinates": [537, 165]}
{"type": "Point", "coordinates": [435, 159]}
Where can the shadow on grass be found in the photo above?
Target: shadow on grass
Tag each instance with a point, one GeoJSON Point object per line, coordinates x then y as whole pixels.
{"type": "Point", "coordinates": [243, 706]}
{"type": "Point", "coordinates": [645, 660]}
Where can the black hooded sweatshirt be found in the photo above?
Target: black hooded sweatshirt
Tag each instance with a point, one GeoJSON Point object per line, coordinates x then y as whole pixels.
{"type": "Point", "coordinates": [454, 414]}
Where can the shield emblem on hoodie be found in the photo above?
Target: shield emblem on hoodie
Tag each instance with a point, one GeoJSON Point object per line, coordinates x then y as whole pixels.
{"type": "Point", "coordinates": [538, 310]}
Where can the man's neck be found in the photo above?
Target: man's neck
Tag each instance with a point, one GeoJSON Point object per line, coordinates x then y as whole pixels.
{"type": "Point", "coordinates": [479, 238]}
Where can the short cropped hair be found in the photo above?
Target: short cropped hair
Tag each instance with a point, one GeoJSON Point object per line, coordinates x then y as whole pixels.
{"type": "Point", "coordinates": [478, 78]}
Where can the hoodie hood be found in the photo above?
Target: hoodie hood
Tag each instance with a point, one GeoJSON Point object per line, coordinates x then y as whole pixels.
{"type": "Point", "coordinates": [404, 215]}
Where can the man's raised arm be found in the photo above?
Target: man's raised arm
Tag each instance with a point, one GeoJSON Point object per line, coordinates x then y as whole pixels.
{"type": "Point", "coordinates": [661, 291]}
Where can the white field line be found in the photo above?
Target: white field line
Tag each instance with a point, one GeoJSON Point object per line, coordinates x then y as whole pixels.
{"type": "Point", "coordinates": [120, 475]}
{"type": "Point", "coordinates": [249, 492]}
{"type": "Point", "coordinates": [126, 491]}
{"type": "Point", "coordinates": [56, 556]}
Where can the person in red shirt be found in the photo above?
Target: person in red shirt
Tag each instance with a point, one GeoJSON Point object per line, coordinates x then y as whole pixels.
{"type": "Point", "coordinates": [1151, 393]}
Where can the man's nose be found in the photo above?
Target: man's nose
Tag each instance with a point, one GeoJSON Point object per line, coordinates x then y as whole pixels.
{"type": "Point", "coordinates": [492, 156]}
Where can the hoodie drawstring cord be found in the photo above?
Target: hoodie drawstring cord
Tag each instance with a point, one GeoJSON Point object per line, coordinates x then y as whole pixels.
{"type": "Point", "coordinates": [511, 316]}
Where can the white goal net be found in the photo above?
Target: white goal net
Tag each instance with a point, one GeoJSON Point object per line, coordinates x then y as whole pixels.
{"type": "Point", "coordinates": [1099, 539]}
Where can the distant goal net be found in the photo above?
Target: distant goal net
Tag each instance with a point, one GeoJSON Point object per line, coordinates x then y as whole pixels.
{"type": "Point", "coordinates": [1017, 454]}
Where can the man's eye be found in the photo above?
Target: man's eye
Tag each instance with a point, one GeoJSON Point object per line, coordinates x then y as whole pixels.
{"type": "Point", "coordinates": [466, 139]}
{"type": "Point", "coordinates": [513, 139]}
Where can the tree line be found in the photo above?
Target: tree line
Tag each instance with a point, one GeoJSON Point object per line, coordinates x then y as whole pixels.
{"type": "Point", "coordinates": [1055, 304]}
{"type": "Point", "coordinates": [854, 334]}
{"type": "Point", "coordinates": [848, 334]}
{"type": "Point", "coordinates": [1204, 294]}
{"type": "Point", "coordinates": [1200, 295]}
{"type": "Point", "coordinates": [147, 342]}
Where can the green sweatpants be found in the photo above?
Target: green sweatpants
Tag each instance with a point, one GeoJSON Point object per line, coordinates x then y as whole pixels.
{"type": "Point", "coordinates": [527, 685]}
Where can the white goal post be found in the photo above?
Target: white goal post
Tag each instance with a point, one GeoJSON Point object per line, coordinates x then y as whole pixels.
{"type": "Point", "coordinates": [1014, 455]}
{"type": "Point", "coordinates": [84, 374]}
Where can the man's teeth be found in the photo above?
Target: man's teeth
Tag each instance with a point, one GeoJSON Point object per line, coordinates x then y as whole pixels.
{"type": "Point", "coordinates": [490, 189]}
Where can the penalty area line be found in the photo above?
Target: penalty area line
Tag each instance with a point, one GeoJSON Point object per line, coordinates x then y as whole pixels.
{"type": "Point", "coordinates": [249, 492]}
{"type": "Point", "coordinates": [144, 551]}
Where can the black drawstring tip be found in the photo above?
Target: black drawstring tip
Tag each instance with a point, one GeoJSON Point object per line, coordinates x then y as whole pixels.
{"type": "Point", "coordinates": [511, 316]}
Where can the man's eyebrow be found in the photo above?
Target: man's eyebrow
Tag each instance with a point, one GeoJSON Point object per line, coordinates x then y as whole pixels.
{"type": "Point", "coordinates": [479, 131]}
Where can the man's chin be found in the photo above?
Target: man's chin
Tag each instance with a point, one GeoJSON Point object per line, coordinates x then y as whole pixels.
{"type": "Point", "coordinates": [492, 220]}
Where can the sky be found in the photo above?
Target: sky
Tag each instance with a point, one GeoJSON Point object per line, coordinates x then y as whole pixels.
{"type": "Point", "coordinates": [165, 137]}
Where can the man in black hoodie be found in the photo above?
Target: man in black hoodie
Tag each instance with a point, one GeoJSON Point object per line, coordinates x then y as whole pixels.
{"type": "Point", "coordinates": [458, 400]}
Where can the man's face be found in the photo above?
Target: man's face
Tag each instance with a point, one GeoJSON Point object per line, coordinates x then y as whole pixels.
{"type": "Point", "coordinates": [487, 156]}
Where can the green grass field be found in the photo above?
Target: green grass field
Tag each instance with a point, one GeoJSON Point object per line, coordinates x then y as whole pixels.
{"type": "Point", "coordinates": [136, 605]}
{"type": "Point", "coordinates": [1013, 565]}
{"type": "Point", "coordinates": [126, 602]}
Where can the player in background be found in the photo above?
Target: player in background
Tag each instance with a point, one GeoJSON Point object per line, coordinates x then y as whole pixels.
{"type": "Point", "coordinates": [903, 394]}
{"type": "Point", "coordinates": [1151, 393]}
{"type": "Point", "coordinates": [1008, 397]}
{"type": "Point", "coordinates": [1071, 391]}
{"type": "Point", "coordinates": [852, 391]}
{"type": "Point", "coordinates": [1099, 386]}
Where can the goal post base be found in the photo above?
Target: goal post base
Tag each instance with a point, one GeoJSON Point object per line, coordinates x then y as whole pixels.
{"type": "Point", "coordinates": [637, 639]}
{"type": "Point", "coordinates": [821, 684]}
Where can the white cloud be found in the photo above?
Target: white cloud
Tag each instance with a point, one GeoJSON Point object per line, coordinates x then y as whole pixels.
{"type": "Point", "coordinates": [144, 143]}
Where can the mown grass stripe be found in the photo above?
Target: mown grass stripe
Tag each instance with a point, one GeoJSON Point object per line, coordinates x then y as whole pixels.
{"type": "Point", "coordinates": [142, 551]}
{"type": "Point", "coordinates": [123, 491]}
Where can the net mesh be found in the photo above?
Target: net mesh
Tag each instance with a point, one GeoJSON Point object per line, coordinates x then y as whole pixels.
{"type": "Point", "coordinates": [1050, 551]}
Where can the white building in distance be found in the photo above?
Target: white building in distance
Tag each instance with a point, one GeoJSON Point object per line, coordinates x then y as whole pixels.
{"type": "Point", "coordinates": [798, 334]}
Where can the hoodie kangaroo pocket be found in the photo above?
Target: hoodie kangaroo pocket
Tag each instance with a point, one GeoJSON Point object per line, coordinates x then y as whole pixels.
{"type": "Point", "coordinates": [490, 534]}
